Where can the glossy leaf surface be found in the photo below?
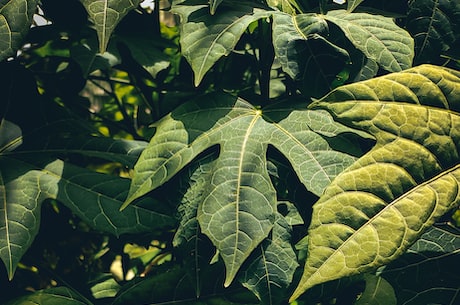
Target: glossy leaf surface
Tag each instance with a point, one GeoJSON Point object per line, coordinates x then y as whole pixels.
{"type": "Point", "coordinates": [374, 210]}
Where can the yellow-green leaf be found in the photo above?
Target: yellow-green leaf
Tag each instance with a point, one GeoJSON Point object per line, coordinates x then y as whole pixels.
{"type": "Point", "coordinates": [374, 210]}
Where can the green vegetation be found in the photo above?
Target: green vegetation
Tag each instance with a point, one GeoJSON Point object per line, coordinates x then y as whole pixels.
{"type": "Point", "coordinates": [229, 152]}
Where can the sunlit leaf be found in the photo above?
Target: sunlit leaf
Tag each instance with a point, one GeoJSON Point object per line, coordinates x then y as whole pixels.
{"type": "Point", "coordinates": [106, 14]}
{"type": "Point", "coordinates": [378, 37]}
{"type": "Point", "coordinates": [375, 209]}
{"type": "Point", "coordinates": [239, 177]}
{"type": "Point", "coordinates": [15, 20]}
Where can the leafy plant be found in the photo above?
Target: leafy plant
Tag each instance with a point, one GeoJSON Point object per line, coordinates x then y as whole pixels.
{"type": "Point", "coordinates": [257, 152]}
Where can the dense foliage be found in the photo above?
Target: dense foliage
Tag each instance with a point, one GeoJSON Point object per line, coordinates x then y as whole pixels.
{"type": "Point", "coordinates": [229, 152]}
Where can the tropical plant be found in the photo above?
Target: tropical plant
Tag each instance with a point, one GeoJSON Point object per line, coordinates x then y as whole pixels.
{"type": "Point", "coordinates": [230, 152]}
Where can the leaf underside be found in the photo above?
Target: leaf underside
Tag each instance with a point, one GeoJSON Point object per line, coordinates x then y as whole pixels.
{"type": "Point", "coordinates": [374, 210]}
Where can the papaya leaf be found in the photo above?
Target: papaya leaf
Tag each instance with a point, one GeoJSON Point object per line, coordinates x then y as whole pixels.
{"type": "Point", "coordinates": [304, 52]}
{"type": "Point", "coordinates": [51, 296]}
{"type": "Point", "coordinates": [206, 38]}
{"type": "Point", "coordinates": [378, 291]}
{"type": "Point", "coordinates": [378, 37]}
{"type": "Point", "coordinates": [424, 274]}
{"type": "Point", "coordinates": [271, 271]}
{"type": "Point", "coordinates": [94, 197]}
{"type": "Point", "coordinates": [238, 177]}
{"type": "Point", "coordinates": [433, 25]}
{"type": "Point", "coordinates": [378, 207]}
{"type": "Point", "coordinates": [15, 21]}
{"type": "Point", "coordinates": [106, 14]}
{"type": "Point", "coordinates": [352, 4]}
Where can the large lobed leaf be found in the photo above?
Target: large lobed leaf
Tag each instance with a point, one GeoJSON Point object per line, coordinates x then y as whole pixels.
{"type": "Point", "coordinates": [374, 210]}
{"type": "Point", "coordinates": [106, 14]}
{"type": "Point", "coordinates": [239, 201]}
{"type": "Point", "coordinates": [15, 20]}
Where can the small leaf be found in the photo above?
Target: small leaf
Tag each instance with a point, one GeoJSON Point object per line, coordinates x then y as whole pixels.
{"type": "Point", "coordinates": [352, 4]}
{"type": "Point", "coordinates": [375, 209]}
{"type": "Point", "coordinates": [15, 21]}
{"type": "Point", "coordinates": [106, 14]}
{"type": "Point", "coordinates": [377, 292]}
{"type": "Point", "coordinates": [213, 4]}
{"type": "Point", "coordinates": [206, 38]}
{"type": "Point", "coordinates": [378, 37]}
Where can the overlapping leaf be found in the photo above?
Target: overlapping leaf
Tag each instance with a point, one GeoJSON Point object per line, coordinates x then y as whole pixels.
{"type": "Point", "coordinates": [206, 38]}
{"type": "Point", "coordinates": [15, 20]}
{"type": "Point", "coordinates": [433, 24]}
{"type": "Point", "coordinates": [425, 274]}
{"type": "Point", "coordinates": [56, 295]}
{"type": "Point", "coordinates": [106, 14]}
{"type": "Point", "coordinates": [239, 201]}
{"type": "Point", "coordinates": [94, 197]}
{"type": "Point", "coordinates": [373, 211]}
{"type": "Point", "coordinates": [378, 37]}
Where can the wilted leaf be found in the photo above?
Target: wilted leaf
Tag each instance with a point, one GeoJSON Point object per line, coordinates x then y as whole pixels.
{"type": "Point", "coordinates": [378, 37]}
{"type": "Point", "coordinates": [206, 38]}
{"type": "Point", "coordinates": [15, 20]}
{"type": "Point", "coordinates": [106, 14]}
{"type": "Point", "coordinates": [238, 178]}
{"type": "Point", "coordinates": [433, 24]}
{"type": "Point", "coordinates": [374, 210]}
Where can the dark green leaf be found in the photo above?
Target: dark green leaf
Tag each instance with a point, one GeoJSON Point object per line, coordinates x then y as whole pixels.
{"type": "Point", "coordinates": [106, 14]}
{"type": "Point", "coordinates": [425, 274]}
{"type": "Point", "coordinates": [15, 20]}
{"type": "Point", "coordinates": [433, 24]}
{"type": "Point", "coordinates": [52, 296]}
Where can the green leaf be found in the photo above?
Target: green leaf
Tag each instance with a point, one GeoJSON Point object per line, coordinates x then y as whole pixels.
{"type": "Point", "coordinates": [433, 24]}
{"type": "Point", "coordinates": [352, 4]}
{"type": "Point", "coordinates": [304, 54]}
{"type": "Point", "coordinates": [106, 14]}
{"type": "Point", "coordinates": [377, 292]}
{"type": "Point", "coordinates": [375, 209]}
{"type": "Point", "coordinates": [95, 198]}
{"type": "Point", "coordinates": [213, 4]}
{"type": "Point", "coordinates": [271, 271]}
{"type": "Point", "coordinates": [52, 296]}
{"type": "Point", "coordinates": [378, 37]}
{"type": "Point", "coordinates": [15, 20]}
{"type": "Point", "coordinates": [239, 176]}
{"type": "Point", "coordinates": [425, 274]}
{"type": "Point", "coordinates": [206, 38]}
